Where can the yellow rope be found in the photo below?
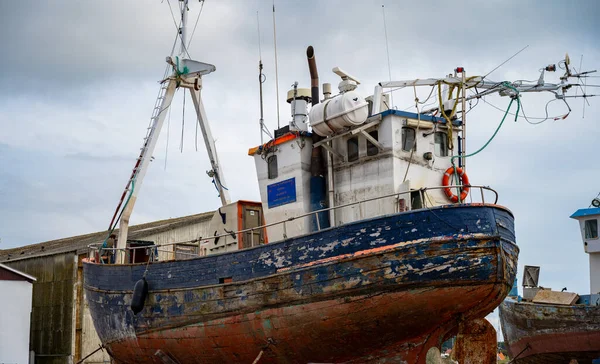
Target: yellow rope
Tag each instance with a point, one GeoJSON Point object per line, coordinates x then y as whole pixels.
{"type": "Point", "coordinates": [448, 118]}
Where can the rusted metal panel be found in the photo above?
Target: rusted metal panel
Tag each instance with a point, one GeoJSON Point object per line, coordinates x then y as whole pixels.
{"type": "Point", "coordinates": [387, 288]}
{"type": "Point", "coordinates": [476, 343]}
{"type": "Point", "coordinates": [555, 297]}
{"type": "Point", "coordinates": [52, 319]}
{"type": "Point", "coordinates": [545, 333]}
{"type": "Point", "coordinates": [78, 307]}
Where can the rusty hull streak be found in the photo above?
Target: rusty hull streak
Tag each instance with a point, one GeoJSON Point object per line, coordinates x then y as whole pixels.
{"type": "Point", "coordinates": [379, 290]}
{"type": "Point", "coordinates": [551, 333]}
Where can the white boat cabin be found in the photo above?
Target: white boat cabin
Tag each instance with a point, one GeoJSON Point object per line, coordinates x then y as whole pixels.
{"type": "Point", "coordinates": [367, 157]}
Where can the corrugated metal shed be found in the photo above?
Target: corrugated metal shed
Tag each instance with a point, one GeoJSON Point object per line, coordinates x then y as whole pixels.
{"type": "Point", "coordinates": [51, 328]}
{"type": "Point", "coordinates": [61, 327]}
{"type": "Point", "coordinates": [79, 243]}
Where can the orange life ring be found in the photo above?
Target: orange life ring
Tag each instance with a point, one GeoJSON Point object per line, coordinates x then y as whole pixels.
{"type": "Point", "coordinates": [464, 191]}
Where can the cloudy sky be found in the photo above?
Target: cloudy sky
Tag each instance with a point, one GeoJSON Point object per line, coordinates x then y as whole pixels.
{"type": "Point", "coordinates": [79, 80]}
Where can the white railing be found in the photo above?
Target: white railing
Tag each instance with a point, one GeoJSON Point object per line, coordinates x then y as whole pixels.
{"type": "Point", "coordinates": [97, 253]}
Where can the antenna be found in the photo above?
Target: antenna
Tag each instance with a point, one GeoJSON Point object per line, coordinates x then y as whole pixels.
{"type": "Point", "coordinates": [584, 89]}
{"type": "Point", "coordinates": [276, 73]}
{"type": "Point", "coordinates": [502, 64]}
{"type": "Point", "coordinates": [183, 5]}
{"type": "Point", "coordinates": [387, 49]}
{"type": "Point", "coordinates": [260, 80]}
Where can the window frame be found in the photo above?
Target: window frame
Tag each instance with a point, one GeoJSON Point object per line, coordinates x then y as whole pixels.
{"type": "Point", "coordinates": [445, 144]}
{"type": "Point", "coordinates": [372, 149]}
{"type": "Point", "coordinates": [585, 229]}
{"type": "Point", "coordinates": [272, 172]}
{"type": "Point", "coordinates": [414, 139]}
{"type": "Point", "coordinates": [354, 140]}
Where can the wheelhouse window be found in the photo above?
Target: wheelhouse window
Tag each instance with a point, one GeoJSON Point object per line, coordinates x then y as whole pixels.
{"type": "Point", "coordinates": [591, 229]}
{"type": "Point", "coordinates": [441, 144]}
{"type": "Point", "coordinates": [352, 145]}
{"type": "Point", "coordinates": [408, 139]}
{"type": "Point", "coordinates": [372, 148]}
{"type": "Point", "coordinates": [272, 166]}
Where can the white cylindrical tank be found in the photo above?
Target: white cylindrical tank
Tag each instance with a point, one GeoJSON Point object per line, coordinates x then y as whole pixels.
{"type": "Point", "coordinates": [298, 99]}
{"type": "Point", "coordinates": [299, 114]}
{"type": "Point", "coordinates": [340, 112]}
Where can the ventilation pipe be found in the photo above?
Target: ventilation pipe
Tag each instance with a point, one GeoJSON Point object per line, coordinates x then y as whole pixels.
{"type": "Point", "coordinates": [318, 189]}
{"type": "Point", "coordinates": [326, 91]}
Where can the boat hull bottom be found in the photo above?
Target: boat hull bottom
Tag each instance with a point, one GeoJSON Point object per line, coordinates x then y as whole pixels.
{"type": "Point", "coordinates": [559, 348]}
{"type": "Point", "coordinates": [342, 330]}
{"type": "Point", "coordinates": [551, 334]}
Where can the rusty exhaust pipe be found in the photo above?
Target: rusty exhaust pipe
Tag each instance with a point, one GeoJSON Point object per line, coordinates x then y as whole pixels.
{"type": "Point", "coordinates": [318, 190]}
{"type": "Point", "coordinates": [314, 75]}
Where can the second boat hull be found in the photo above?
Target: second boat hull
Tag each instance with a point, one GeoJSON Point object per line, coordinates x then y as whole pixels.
{"type": "Point", "coordinates": [548, 334]}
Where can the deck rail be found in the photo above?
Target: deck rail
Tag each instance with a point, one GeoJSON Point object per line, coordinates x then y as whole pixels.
{"type": "Point", "coordinates": [97, 252]}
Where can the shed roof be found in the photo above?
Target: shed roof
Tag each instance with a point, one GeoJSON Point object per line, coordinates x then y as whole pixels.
{"type": "Point", "coordinates": [80, 243]}
{"type": "Point", "coordinates": [26, 277]}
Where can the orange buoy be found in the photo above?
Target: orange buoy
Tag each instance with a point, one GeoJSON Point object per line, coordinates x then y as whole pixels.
{"type": "Point", "coordinates": [464, 190]}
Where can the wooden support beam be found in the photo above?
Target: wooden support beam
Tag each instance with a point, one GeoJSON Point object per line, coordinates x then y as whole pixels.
{"type": "Point", "coordinates": [351, 132]}
{"type": "Point", "coordinates": [330, 150]}
{"type": "Point", "coordinates": [372, 140]}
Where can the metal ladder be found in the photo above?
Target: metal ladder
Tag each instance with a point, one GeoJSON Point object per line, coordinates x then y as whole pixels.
{"type": "Point", "coordinates": [149, 132]}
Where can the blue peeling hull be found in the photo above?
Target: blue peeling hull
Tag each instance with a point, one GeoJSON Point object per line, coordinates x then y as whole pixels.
{"type": "Point", "coordinates": [418, 271]}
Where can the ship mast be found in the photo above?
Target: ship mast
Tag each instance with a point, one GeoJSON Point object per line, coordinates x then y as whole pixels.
{"type": "Point", "coordinates": [183, 27]}
{"type": "Point", "coordinates": [188, 74]}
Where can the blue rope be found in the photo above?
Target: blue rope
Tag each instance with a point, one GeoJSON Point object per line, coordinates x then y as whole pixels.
{"type": "Point", "coordinates": [215, 181]}
{"type": "Point", "coordinates": [104, 245]}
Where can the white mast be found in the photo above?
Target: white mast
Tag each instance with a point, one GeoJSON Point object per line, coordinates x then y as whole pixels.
{"type": "Point", "coordinates": [183, 28]}
{"type": "Point", "coordinates": [187, 73]}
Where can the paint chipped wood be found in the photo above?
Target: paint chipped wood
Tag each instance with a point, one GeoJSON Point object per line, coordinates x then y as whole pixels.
{"type": "Point", "coordinates": [378, 290]}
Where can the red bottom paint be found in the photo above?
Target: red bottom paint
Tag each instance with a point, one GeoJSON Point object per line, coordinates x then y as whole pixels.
{"type": "Point", "coordinates": [558, 348]}
{"type": "Point", "coordinates": [330, 331]}
{"type": "Point", "coordinates": [549, 333]}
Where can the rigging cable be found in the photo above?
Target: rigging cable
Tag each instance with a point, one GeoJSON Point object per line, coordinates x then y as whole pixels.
{"type": "Point", "coordinates": [516, 97]}
{"type": "Point", "coordinates": [412, 150]}
{"type": "Point", "coordinates": [178, 29]}
{"type": "Point", "coordinates": [449, 118]}
{"type": "Point", "coordinates": [422, 102]}
{"type": "Point", "coordinates": [195, 25]}
{"type": "Point", "coordinates": [387, 49]}
{"type": "Point", "coordinates": [104, 245]}
{"type": "Point", "coordinates": [528, 118]}
{"type": "Point", "coordinates": [182, 123]}
{"type": "Point", "coordinates": [455, 176]}
{"type": "Point", "coordinates": [276, 73]}
{"type": "Point", "coordinates": [501, 64]}
{"type": "Point", "coordinates": [262, 78]}
{"type": "Point", "coordinates": [168, 133]}
{"type": "Point", "coordinates": [196, 135]}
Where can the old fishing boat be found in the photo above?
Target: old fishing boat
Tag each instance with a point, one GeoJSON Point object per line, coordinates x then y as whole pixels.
{"type": "Point", "coordinates": [366, 246]}
{"type": "Point", "coordinates": [545, 326]}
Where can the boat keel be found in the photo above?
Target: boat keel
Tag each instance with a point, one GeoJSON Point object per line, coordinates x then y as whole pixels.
{"type": "Point", "coordinates": [476, 342]}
